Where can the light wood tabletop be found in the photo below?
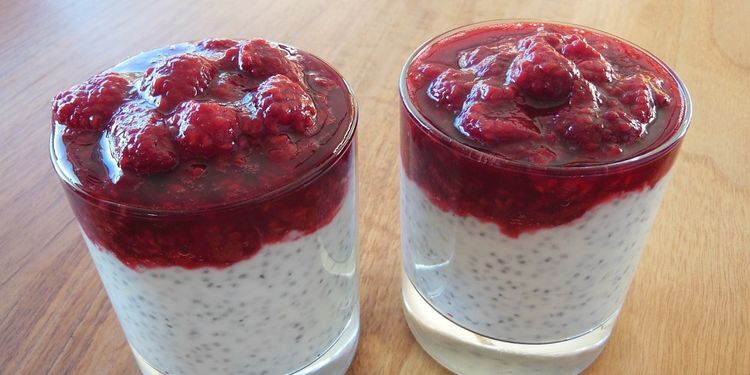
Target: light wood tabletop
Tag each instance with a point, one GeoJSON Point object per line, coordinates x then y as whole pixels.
{"type": "Point", "coordinates": [688, 311]}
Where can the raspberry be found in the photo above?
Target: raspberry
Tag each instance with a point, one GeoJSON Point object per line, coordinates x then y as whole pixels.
{"type": "Point", "coordinates": [177, 79]}
{"type": "Point", "coordinates": [451, 87]}
{"type": "Point", "coordinates": [584, 94]}
{"type": "Point", "coordinates": [251, 125]}
{"type": "Point", "coordinates": [204, 130]}
{"type": "Point", "coordinates": [661, 97]}
{"type": "Point", "coordinates": [635, 93]}
{"type": "Point", "coordinates": [576, 48]}
{"type": "Point", "coordinates": [425, 73]}
{"type": "Point", "coordinates": [623, 127]}
{"type": "Point", "coordinates": [588, 60]}
{"type": "Point", "coordinates": [540, 72]}
{"type": "Point", "coordinates": [479, 122]}
{"type": "Point", "coordinates": [140, 141]}
{"type": "Point", "coordinates": [90, 106]}
{"type": "Point", "coordinates": [582, 127]}
{"type": "Point", "coordinates": [217, 44]}
{"type": "Point", "coordinates": [262, 58]}
{"type": "Point", "coordinates": [592, 127]}
{"type": "Point", "coordinates": [280, 103]}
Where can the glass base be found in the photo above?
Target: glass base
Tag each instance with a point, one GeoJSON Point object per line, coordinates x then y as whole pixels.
{"type": "Point", "coordinates": [335, 361]}
{"type": "Point", "coordinates": [465, 352]}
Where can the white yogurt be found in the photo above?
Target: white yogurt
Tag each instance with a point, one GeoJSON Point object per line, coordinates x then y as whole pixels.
{"type": "Point", "coordinates": [271, 314]}
{"type": "Point", "coordinates": [549, 285]}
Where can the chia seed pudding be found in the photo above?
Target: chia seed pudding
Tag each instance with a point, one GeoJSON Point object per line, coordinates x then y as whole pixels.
{"type": "Point", "coordinates": [534, 158]}
{"type": "Point", "coordinates": [215, 189]}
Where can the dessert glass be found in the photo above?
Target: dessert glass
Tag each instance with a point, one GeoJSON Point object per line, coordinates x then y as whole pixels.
{"type": "Point", "coordinates": [259, 285]}
{"type": "Point", "coordinates": [518, 266]}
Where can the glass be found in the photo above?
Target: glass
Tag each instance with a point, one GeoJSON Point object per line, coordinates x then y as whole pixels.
{"type": "Point", "coordinates": [292, 307]}
{"type": "Point", "coordinates": [480, 301]}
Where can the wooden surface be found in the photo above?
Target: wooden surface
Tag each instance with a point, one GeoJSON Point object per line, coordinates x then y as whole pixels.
{"type": "Point", "coordinates": [688, 311]}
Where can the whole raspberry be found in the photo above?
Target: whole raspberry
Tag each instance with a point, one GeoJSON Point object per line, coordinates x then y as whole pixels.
{"type": "Point", "coordinates": [262, 58]}
{"type": "Point", "coordinates": [582, 128]}
{"type": "Point", "coordinates": [584, 94]}
{"type": "Point", "coordinates": [90, 106]}
{"type": "Point", "coordinates": [177, 79]}
{"type": "Point", "coordinates": [204, 130]}
{"type": "Point", "coordinates": [635, 92]}
{"type": "Point", "coordinates": [250, 124]}
{"type": "Point", "coordinates": [623, 127]}
{"type": "Point", "coordinates": [588, 60]}
{"type": "Point", "coordinates": [425, 73]}
{"type": "Point", "coordinates": [216, 44]}
{"type": "Point", "coordinates": [140, 141]}
{"type": "Point", "coordinates": [281, 103]}
{"type": "Point", "coordinates": [451, 87]}
{"type": "Point", "coordinates": [595, 124]}
{"type": "Point", "coordinates": [540, 72]}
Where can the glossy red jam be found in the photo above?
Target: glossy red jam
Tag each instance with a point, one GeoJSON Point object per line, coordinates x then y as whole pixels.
{"type": "Point", "coordinates": [529, 125]}
{"type": "Point", "coordinates": [199, 153]}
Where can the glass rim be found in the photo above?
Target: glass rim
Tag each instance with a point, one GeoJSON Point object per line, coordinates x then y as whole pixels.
{"type": "Point", "coordinates": [342, 146]}
{"type": "Point", "coordinates": [486, 157]}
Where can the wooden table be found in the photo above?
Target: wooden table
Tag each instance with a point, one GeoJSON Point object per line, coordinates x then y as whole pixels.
{"type": "Point", "coordinates": [688, 311]}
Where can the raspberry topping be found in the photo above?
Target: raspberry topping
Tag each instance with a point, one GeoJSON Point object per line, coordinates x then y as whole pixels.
{"type": "Point", "coordinates": [90, 105]}
{"type": "Point", "coordinates": [177, 79]}
{"type": "Point", "coordinates": [491, 115]}
{"type": "Point", "coordinates": [261, 58]}
{"type": "Point", "coordinates": [230, 86]}
{"type": "Point", "coordinates": [204, 130]}
{"type": "Point", "coordinates": [271, 113]}
{"type": "Point", "coordinates": [227, 146]}
{"type": "Point", "coordinates": [636, 92]}
{"type": "Point", "coordinates": [542, 88]}
{"type": "Point", "coordinates": [540, 72]}
{"type": "Point", "coordinates": [513, 110]}
{"type": "Point", "coordinates": [141, 142]}
{"type": "Point", "coordinates": [589, 61]}
{"type": "Point", "coordinates": [451, 88]}
{"type": "Point", "coordinates": [217, 44]}
{"type": "Point", "coordinates": [488, 61]}
{"type": "Point", "coordinates": [281, 104]}
{"type": "Point", "coordinates": [426, 73]}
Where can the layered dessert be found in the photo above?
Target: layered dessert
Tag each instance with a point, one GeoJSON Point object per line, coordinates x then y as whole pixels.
{"type": "Point", "coordinates": [535, 156]}
{"type": "Point", "coordinates": [214, 186]}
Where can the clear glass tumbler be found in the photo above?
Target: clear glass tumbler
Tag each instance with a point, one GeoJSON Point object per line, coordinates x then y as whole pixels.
{"type": "Point", "coordinates": [516, 267]}
{"type": "Point", "coordinates": [266, 285]}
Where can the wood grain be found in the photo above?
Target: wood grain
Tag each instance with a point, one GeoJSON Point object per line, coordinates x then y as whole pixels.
{"type": "Point", "coordinates": [688, 311]}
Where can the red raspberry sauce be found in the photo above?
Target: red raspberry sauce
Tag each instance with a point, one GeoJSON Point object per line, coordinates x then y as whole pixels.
{"type": "Point", "coordinates": [199, 155]}
{"type": "Point", "coordinates": [527, 122]}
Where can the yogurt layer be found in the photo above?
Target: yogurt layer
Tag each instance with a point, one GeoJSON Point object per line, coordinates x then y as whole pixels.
{"type": "Point", "coordinates": [544, 286]}
{"type": "Point", "coordinates": [273, 313]}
